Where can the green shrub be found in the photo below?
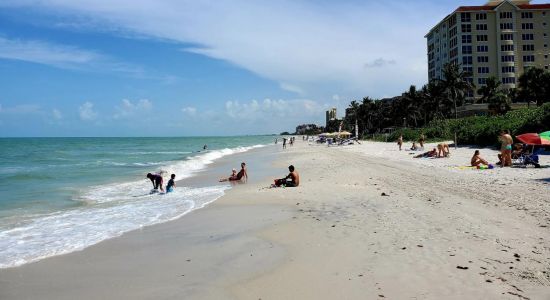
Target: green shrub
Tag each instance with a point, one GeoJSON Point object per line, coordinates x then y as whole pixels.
{"type": "Point", "coordinates": [478, 130]}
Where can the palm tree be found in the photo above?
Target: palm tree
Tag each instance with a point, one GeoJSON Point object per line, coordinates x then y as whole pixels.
{"type": "Point", "coordinates": [489, 90]}
{"type": "Point", "coordinates": [432, 94]}
{"type": "Point", "coordinates": [455, 84]}
{"type": "Point", "coordinates": [412, 102]}
{"type": "Point", "coordinates": [532, 85]}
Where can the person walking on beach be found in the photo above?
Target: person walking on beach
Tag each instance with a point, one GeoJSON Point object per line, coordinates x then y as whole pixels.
{"type": "Point", "coordinates": [284, 143]}
{"type": "Point", "coordinates": [506, 148]}
{"type": "Point", "coordinates": [421, 140]}
{"type": "Point", "coordinates": [171, 184]}
{"type": "Point", "coordinates": [157, 181]}
{"type": "Point", "coordinates": [400, 142]}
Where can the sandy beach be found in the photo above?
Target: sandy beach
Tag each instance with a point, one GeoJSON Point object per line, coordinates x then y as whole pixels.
{"type": "Point", "coordinates": [367, 222]}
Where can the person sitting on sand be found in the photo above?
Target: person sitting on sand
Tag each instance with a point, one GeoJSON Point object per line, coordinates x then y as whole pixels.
{"type": "Point", "coordinates": [414, 147]}
{"type": "Point", "coordinates": [171, 184]}
{"type": "Point", "coordinates": [443, 150]}
{"type": "Point", "coordinates": [432, 153]}
{"type": "Point", "coordinates": [157, 181]}
{"type": "Point", "coordinates": [237, 176]}
{"type": "Point", "coordinates": [477, 160]}
{"type": "Point", "coordinates": [291, 180]}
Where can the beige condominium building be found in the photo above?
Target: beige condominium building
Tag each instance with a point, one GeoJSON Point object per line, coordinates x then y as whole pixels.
{"type": "Point", "coordinates": [500, 39]}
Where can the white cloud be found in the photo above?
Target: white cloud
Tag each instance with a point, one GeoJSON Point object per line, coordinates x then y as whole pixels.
{"type": "Point", "coordinates": [189, 111]}
{"type": "Point", "coordinates": [292, 88]}
{"type": "Point", "coordinates": [271, 109]}
{"type": "Point", "coordinates": [127, 108]}
{"type": "Point", "coordinates": [301, 42]}
{"type": "Point", "coordinates": [86, 112]}
{"type": "Point", "coordinates": [57, 114]}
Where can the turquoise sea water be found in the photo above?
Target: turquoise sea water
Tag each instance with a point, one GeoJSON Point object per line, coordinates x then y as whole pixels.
{"type": "Point", "coordinates": [58, 195]}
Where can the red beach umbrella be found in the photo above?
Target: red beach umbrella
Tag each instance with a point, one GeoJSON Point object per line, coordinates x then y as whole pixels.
{"type": "Point", "coordinates": [532, 139]}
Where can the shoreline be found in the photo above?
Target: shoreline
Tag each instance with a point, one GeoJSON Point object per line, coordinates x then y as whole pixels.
{"type": "Point", "coordinates": [335, 236]}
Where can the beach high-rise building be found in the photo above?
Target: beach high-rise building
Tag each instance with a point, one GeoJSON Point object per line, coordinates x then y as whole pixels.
{"type": "Point", "coordinates": [330, 116]}
{"type": "Point", "coordinates": [500, 39]}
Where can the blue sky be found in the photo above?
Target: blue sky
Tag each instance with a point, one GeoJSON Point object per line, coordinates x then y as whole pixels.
{"type": "Point", "coordinates": [179, 68]}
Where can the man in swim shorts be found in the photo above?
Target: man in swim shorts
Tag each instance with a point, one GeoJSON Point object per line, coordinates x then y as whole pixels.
{"type": "Point", "coordinates": [506, 148]}
{"type": "Point", "coordinates": [157, 181]}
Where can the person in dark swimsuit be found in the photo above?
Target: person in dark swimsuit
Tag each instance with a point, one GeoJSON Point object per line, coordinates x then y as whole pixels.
{"type": "Point", "coordinates": [171, 184]}
{"type": "Point", "coordinates": [239, 176]}
{"type": "Point", "coordinates": [157, 181]}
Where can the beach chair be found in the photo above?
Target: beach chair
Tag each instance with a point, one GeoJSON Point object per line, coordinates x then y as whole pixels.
{"type": "Point", "coordinates": [525, 159]}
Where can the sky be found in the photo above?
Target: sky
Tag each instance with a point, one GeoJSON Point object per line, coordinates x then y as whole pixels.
{"type": "Point", "coordinates": [202, 68]}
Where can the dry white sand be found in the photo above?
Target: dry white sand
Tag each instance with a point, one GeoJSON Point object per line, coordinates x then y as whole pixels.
{"type": "Point", "coordinates": [438, 233]}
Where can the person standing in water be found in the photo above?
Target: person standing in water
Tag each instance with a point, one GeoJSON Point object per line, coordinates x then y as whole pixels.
{"type": "Point", "coordinates": [284, 143]}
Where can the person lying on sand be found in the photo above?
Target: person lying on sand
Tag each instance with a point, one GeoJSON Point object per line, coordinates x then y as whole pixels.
{"type": "Point", "coordinates": [477, 160]}
{"type": "Point", "coordinates": [432, 153]}
{"type": "Point", "coordinates": [237, 176]}
{"type": "Point", "coordinates": [414, 147]}
{"type": "Point", "coordinates": [291, 180]}
{"type": "Point", "coordinates": [443, 150]}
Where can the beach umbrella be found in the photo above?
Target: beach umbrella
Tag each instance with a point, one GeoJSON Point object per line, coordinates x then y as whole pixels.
{"type": "Point", "coordinates": [533, 139]}
{"type": "Point", "coordinates": [346, 133]}
{"type": "Point", "coordinates": [545, 135]}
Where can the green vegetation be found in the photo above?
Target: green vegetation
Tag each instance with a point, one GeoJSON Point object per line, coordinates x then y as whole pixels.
{"type": "Point", "coordinates": [432, 109]}
{"type": "Point", "coordinates": [481, 130]}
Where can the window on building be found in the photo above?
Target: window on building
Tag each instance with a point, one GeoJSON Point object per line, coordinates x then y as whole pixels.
{"type": "Point", "coordinates": [526, 26]}
{"type": "Point", "coordinates": [465, 17]}
{"type": "Point", "coordinates": [466, 27]}
{"type": "Point", "coordinates": [483, 48]}
{"type": "Point", "coordinates": [509, 69]}
{"type": "Point", "coordinates": [467, 60]}
{"type": "Point", "coordinates": [507, 58]}
{"type": "Point", "coordinates": [482, 38]}
{"type": "Point", "coordinates": [466, 39]}
{"type": "Point", "coordinates": [481, 16]}
{"type": "Point", "coordinates": [482, 80]}
{"type": "Point", "coordinates": [527, 15]}
{"type": "Point", "coordinates": [528, 47]}
{"type": "Point", "coordinates": [483, 70]}
{"type": "Point", "coordinates": [481, 26]}
{"type": "Point", "coordinates": [507, 37]}
{"type": "Point", "coordinates": [528, 58]}
{"type": "Point", "coordinates": [527, 36]}
{"type": "Point", "coordinates": [506, 15]}
{"type": "Point", "coordinates": [506, 47]}
{"type": "Point", "coordinates": [483, 59]}
{"type": "Point", "coordinates": [466, 49]}
{"type": "Point", "coordinates": [506, 26]}
{"type": "Point", "coordinates": [509, 80]}
{"type": "Point", "coordinates": [467, 70]}
{"type": "Point", "coordinates": [469, 79]}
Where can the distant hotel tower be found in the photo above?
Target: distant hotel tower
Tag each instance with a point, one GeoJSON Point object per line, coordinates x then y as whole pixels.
{"type": "Point", "coordinates": [330, 116]}
{"type": "Point", "coordinates": [500, 39]}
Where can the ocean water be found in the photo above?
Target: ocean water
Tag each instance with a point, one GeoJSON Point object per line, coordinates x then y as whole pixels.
{"type": "Point", "coordinates": [59, 195]}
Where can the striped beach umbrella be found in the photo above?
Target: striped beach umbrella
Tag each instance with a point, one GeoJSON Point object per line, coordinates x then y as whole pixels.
{"type": "Point", "coordinates": [533, 139]}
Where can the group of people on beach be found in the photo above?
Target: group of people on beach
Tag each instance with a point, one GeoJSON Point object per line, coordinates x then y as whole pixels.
{"type": "Point", "coordinates": [158, 181]}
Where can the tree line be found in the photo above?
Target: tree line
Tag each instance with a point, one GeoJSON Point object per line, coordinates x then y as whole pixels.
{"type": "Point", "coordinates": [440, 98]}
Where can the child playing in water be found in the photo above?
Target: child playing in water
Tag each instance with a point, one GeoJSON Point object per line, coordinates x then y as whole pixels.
{"type": "Point", "coordinates": [171, 184]}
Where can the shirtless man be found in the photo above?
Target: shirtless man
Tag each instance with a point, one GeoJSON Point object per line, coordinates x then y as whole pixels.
{"type": "Point", "coordinates": [421, 140]}
{"type": "Point", "coordinates": [506, 149]}
{"type": "Point", "coordinates": [293, 176]}
{"type": "Point", "coordinates": [477, 160]}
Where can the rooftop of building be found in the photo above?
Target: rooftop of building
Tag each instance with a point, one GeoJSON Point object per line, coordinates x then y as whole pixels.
{"type": "Point", "coordinates": [492, 5]}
